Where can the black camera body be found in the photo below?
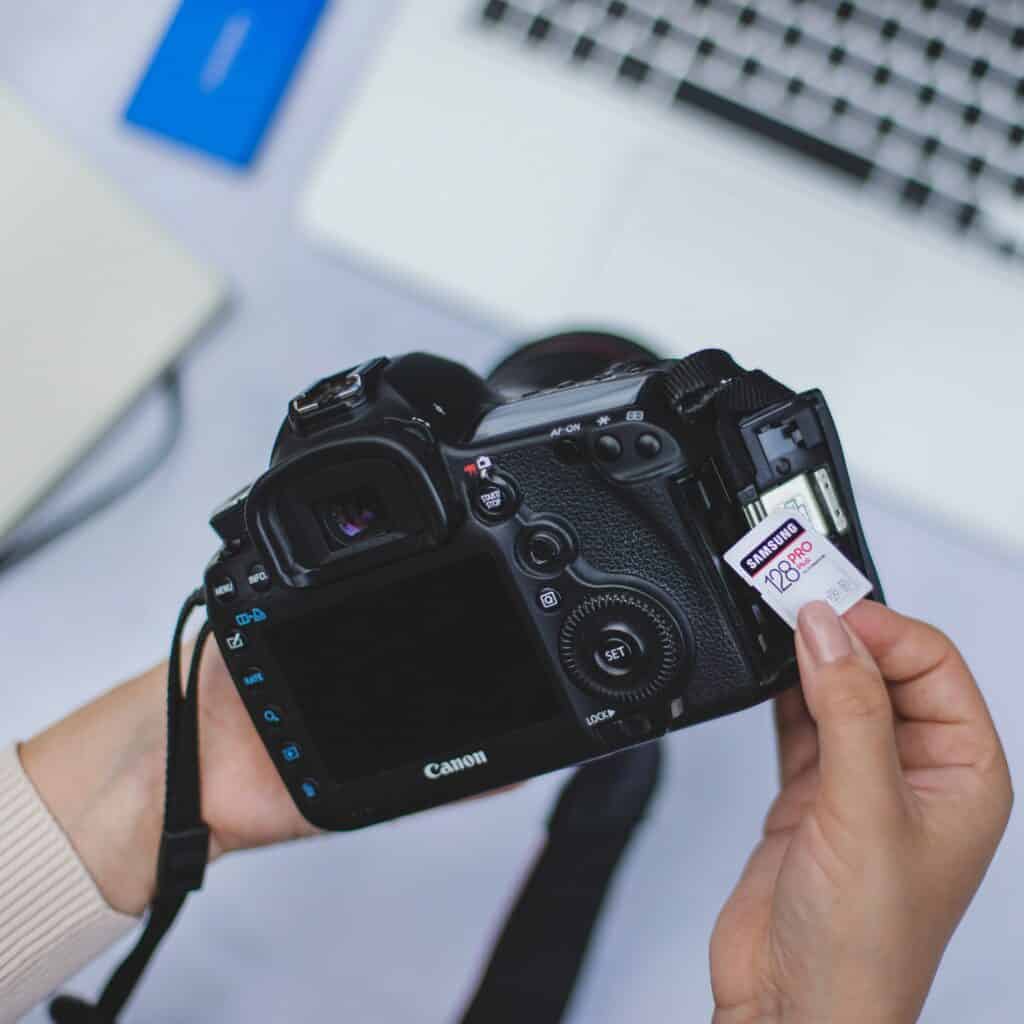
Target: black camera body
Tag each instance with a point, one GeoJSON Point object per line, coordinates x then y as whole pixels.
{"type": "Point", "coordinates": [445, 584]}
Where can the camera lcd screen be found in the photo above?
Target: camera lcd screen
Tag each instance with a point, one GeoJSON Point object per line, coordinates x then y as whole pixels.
{"type": "Point", "coordinates": [431, 665]}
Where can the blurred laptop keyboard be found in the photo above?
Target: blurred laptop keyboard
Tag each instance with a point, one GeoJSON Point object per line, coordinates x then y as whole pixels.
{"type": "Point", "coordinates": [922, 97]}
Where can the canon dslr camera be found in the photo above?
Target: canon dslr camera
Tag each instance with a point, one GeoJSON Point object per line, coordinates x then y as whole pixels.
{"type": "Point", "coordinates": [445, 584]}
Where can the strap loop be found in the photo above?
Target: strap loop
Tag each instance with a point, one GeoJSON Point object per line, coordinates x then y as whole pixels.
{"type": "Point", "coordinates": [712, 393]}
{"type": "Point", "coordinates": [183, 856]}
{"type": "Point", "coordinates": [185, 843]}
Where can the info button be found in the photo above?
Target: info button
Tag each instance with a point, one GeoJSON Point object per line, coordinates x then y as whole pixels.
{"type": "Point", "coordinates": [258, 577]}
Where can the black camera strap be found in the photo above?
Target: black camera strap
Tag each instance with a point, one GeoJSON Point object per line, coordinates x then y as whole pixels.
{"type": "Point", "coordinates": [185, 844]}
{"type": "Point", "coordinates": [536, 960]}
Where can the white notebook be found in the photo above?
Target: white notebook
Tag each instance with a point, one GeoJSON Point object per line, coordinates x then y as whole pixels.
{"type": "Point", "coordinates": [95, 301]}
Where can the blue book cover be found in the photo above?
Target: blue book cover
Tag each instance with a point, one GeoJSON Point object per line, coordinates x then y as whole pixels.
{"type": "Point", "coordinates": [220, 71]}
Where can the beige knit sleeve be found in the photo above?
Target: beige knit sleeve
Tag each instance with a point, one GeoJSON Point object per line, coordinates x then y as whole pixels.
{"type": "Point", "coordinates": [53, 919]}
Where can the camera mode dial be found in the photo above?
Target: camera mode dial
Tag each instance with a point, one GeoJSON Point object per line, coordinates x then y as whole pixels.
{"type": "Point", "coordinates": [620, 646]}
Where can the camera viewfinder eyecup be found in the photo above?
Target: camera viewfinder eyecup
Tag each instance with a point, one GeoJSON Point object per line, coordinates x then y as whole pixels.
{"type": "Point", "coordinates": [345, 507]}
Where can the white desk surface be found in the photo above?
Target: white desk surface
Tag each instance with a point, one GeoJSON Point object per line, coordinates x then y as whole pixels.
{"type": "Point", "coordinates": [387, 925]}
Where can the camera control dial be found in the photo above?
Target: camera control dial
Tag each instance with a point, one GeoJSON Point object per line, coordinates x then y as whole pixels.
{"type": "Point", "coordinates": [620, 645]}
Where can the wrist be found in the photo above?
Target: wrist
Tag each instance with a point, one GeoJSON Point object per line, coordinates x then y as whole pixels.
{"type": "Point", "coordinates": [100, 772]}
{"type": "Point", "coordinates": [756, 1012]}
{"type": "Point", "coordinates": [770, 1011]}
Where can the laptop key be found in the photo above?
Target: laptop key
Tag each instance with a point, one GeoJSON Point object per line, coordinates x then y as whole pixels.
{"type": "Point", "coordinates": [926, 102]}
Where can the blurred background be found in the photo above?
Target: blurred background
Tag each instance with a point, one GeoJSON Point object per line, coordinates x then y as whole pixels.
{"type": "Point", "coordinates": [206, 205]}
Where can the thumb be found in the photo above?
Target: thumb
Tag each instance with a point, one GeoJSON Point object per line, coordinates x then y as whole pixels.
{"type": "Point", "coordinates": [846, 695]}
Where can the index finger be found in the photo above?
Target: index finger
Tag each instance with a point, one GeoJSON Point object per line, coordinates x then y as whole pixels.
{"type": "Point", "coordinates": [929, 679]}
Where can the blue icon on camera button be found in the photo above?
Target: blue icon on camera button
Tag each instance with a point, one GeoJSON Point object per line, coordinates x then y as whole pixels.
{"type": "Point", "coordinates": [272, 715]}
{"type": "Point", "coordinates": [310, 789]}
{"type": "Point", "coordinates": [291, 752]}
{"type": "Point", "coordinates": [253, 677]}
{"type": "Point", "coordinates": [248, 618]}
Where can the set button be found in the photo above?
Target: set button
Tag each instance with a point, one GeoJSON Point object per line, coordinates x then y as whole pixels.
{"type": "Point", "coordinates": [617, 652]}
{"type": "Point", "coordinates": [620, 646]}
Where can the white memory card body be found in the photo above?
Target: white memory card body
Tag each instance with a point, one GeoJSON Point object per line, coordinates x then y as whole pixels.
{"type": "Point", "coordinates": [790, 564]}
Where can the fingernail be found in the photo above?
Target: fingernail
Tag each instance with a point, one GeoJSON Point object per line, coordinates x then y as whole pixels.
{"type": "Point", "coordinates": [823, 633]}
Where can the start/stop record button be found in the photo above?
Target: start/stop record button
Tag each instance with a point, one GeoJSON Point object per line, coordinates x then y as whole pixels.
{"type": "Point", "coordinates": [496, 498]}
